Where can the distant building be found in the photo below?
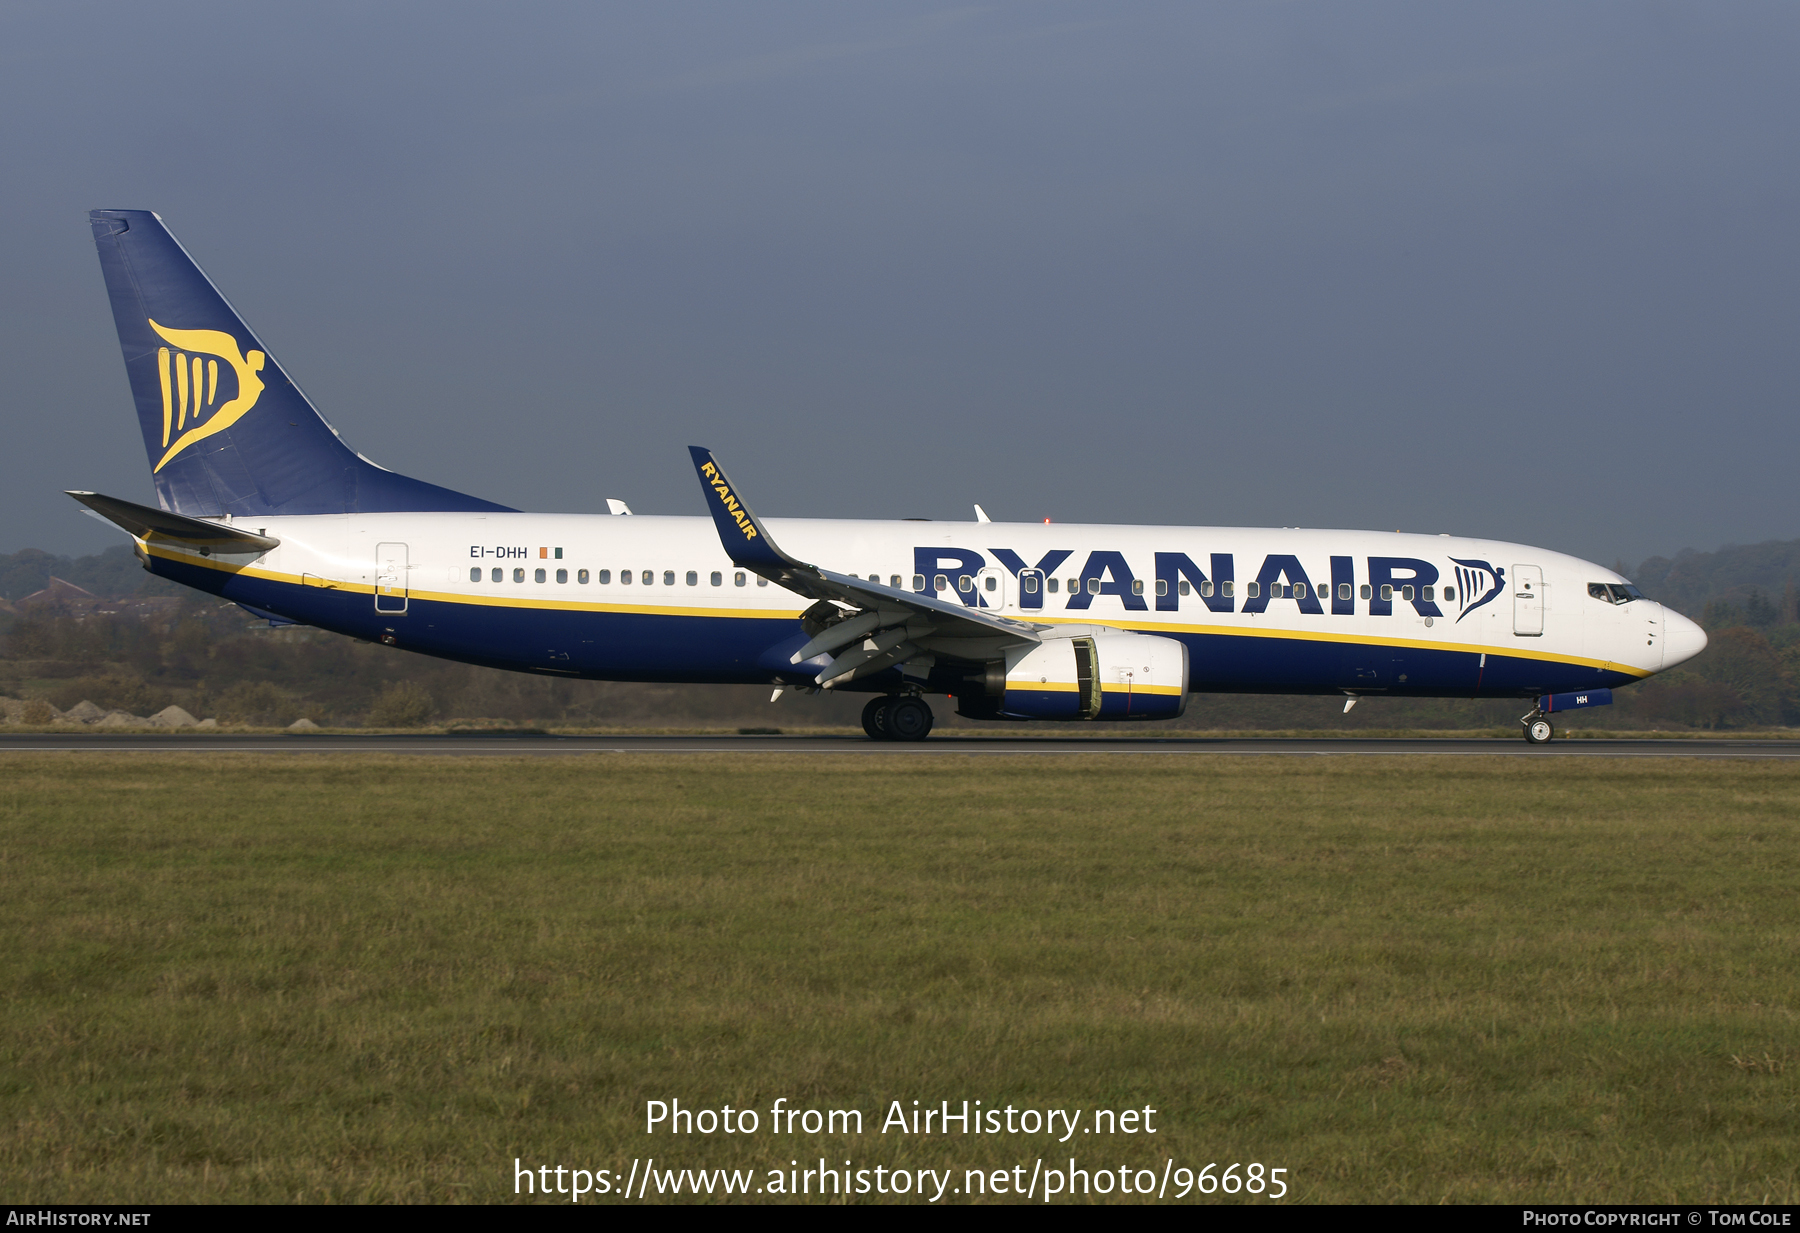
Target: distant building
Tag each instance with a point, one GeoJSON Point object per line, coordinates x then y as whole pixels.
{"type": "Point", "coordinates": [65, 597]}
{"type": "Point", "coordinates": [60, 594]}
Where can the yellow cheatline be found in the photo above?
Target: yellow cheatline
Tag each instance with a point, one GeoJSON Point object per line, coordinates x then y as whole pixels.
{"type": "Point", "coordinates": [479, 601]}
{"type": "Point", "coordinates": [496, 601]}
{"type": "Point", "coordinates": [1301, 635]}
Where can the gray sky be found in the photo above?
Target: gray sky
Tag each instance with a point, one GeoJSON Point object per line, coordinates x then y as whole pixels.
{"type": "Point", "coordinates": [1525, 270]}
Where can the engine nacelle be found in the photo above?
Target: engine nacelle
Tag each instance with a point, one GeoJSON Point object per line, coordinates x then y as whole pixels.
{"type": "Point", "coordinates": [1109, 675]}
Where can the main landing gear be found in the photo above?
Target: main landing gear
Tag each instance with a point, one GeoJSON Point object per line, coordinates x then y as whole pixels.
{"type": "Point", "coordinates": [897, 717]}
{"type": "Point", "coordinates": [1538, 729]}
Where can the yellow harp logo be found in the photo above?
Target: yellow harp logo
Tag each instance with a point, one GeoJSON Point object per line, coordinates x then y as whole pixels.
{"type": "Point", "coordinates": [190, 385]}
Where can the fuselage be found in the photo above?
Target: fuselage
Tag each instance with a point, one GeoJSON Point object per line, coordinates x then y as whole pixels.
{"type": "Point", "coordinates": [1260, 610]}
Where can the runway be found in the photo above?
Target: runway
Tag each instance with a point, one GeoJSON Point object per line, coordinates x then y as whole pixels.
{"type": "Point", "coordinates": [540, 744]}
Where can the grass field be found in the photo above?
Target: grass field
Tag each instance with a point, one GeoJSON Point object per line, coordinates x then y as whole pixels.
{"type": "Point", "coordinates": [365, 978]}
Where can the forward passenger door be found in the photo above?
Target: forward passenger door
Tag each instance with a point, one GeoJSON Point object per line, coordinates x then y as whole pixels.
{"type": "Point", "coordinates": [1528, 601]}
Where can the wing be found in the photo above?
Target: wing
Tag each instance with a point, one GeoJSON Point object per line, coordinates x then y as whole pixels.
{"type": "Point", "coordinates": [866, 625]}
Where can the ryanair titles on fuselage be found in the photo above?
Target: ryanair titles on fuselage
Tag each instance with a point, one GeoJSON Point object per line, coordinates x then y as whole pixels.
{"type": "Point", "coordinates": [1413, 580]}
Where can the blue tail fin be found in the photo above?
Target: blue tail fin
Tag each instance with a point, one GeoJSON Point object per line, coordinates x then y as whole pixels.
{"type": "Point", "coordinates": [226, 431]}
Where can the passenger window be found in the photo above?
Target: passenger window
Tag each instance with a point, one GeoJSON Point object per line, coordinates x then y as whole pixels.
{"type": "Point", "coordinates": [498, 575]}
{"type": "Point", "coordinates": [1428, 593]}
{"type": "Point", "coordinates": [1253, 589]}
{"type": "Point", "coordinates": [1406, 593]}
{"type": "Point", "coordinates": [668, 578]}
{"type": "Point", "coordinates": [648, 577]}
{"type": "Point", "coordinates": [894, 581]}
{"type": "Point", "coordinates": [761, 581]}
{"type": "Point", "coordinates": [604, 577]}
{"type": "Point", "coordinates": [693, 578]}
{"type": "Point", "coordinates": [1074, 585]}
{"type": "Point", "coordinates": [518, 575]}
{"type": "Point", "coordinates": [1031, 587]}
{"type": "Point", "coordinates": [918, 582]}
{"type": "Point", "coordinates": [1052, 585]}
{"type": "Point", "coordinates": [475, 573]}
{"type": "Point", "coordinates": [1162, 586]}
{"type": "Point", "coordinates": [1228, 589]}
{"type": "Point", "coordinates": [1387, 592]}
{"type": "Point", "coordinates": [993, 584]}
{"type": "Point", "coordinates": [1344, 591]}
{"type": "Point", "coordinates": [1365, 591]}
{"type": "Point", "coordinates": [941, 583]}
{"type": "Point", "coordinates": [562, 575]}
{"type": "Point", "coordinates": [718, 579]}
{"type": "Point", "coordinates": [1093, 586]}
{"type": "Point", "coordinates": [737, 579]}
{"type": "Point", "coordinates": [1206, 589]}
{"type": "Point", "coordinates": [625, 577]}
{"type": "Point", "coordinates": [538, 575]}
{"type": "Point", "coordinates": [581, 576]}
{"type": "Point", "coordinates": [965, 583]}
{"type": "Point", "coordinates": [1185, 588]}
{"type": "Point", "coordinates": [874, 577]}
{"type": "Point", "coordinates": [1449, 594]}
{"type": "Point", "coordinates": [1137, 586]}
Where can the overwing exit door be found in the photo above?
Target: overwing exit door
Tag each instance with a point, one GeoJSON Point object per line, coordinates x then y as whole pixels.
{"type": "Point", "coordinates": [991, 585]}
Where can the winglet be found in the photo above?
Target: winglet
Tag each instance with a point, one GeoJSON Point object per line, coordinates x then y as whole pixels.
{"type": "Point", "coordinates": [746, 542]}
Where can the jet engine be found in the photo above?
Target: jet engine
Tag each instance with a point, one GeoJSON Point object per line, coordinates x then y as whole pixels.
{"type": "Point", "coordinates": [1103, 675]}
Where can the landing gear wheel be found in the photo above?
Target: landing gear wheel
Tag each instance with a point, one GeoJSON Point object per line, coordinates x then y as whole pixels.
{"type": "Point", "coordinates": [874, 719]}
{"type": "Point", "coordinates": [1538, 731]}
{"type": "Point", "coordinates": [907, 718]}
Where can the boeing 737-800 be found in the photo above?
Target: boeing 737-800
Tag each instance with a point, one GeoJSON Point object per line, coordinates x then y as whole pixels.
{"type": "Point", "coordinates": [260, 502]}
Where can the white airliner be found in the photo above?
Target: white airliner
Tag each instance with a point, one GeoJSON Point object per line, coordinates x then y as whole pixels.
{"type": "Point", "coordinates": [261, 503]}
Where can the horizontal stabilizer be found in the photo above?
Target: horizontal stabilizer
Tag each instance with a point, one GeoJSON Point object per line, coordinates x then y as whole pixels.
{"type": "Point", "coordinates": [147, 523]}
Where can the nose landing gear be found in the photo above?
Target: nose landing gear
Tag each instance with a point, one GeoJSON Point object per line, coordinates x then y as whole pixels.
{"type": "Point", "coordinates": [897, 717]}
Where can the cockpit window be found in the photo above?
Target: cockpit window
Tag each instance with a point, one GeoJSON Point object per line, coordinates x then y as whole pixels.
{"type": "Point", "coordinates": [1613, 592]}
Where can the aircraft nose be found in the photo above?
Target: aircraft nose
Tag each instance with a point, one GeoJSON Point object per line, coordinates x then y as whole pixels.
{"type": "Point", "coordinates": [1682, 639]}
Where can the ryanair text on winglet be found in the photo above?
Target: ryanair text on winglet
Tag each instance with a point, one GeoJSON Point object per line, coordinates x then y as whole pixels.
{"type": "Point", "coordinates": [725, 498]}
